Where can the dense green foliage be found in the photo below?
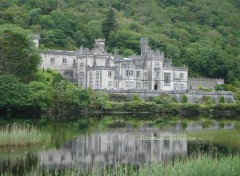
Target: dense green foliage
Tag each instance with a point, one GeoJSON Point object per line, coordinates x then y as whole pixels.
{"type": "Point", "coordinates": [17, 54]}
{"type": "Point", "coordinates": [13, 92]}
{"type": "Point", "coordinates": [51, 94]}
{"type": "Point", "coordinates": [109, 24]}
{"type": "Point", "coordinates": [203, 34]}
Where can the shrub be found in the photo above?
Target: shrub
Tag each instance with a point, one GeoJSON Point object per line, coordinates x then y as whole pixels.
{"type": "Point", "coordinates": [222, 100]}
{"type": "Point", "coordinates": [184, 99]}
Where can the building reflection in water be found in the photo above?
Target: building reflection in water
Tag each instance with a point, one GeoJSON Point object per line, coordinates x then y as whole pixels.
{"type": "Point", "coordinates": [133, 146]}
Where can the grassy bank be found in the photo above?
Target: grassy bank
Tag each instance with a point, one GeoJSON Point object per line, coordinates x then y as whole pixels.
{"type": "Point", "coordinates": [183, 109]}
{"type": "Point", "coordinates": [20, 135]}
{"type": "Point", "coordinates": [200, 166]}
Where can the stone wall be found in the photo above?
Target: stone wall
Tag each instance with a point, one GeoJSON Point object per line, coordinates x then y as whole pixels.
{"type": "Point", "coordinates": [193, 96]}
{"type": "Point", "coordinates": [205, 83]}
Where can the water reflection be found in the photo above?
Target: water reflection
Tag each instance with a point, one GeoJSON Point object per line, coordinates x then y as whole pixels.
{"type": "Point", "coordinates": [18, 165]}
{"type": "Point", "coordinates": [133, 146]}
{"type": "Point", "coordinates": [126, 145]}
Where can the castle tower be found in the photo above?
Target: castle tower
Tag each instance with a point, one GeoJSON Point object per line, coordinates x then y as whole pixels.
{"type": "Point", "coordinates": [144, 46]}
{"type": "Point", "coordinates": [100, 43]}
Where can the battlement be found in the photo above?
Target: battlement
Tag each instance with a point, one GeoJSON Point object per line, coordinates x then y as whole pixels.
{"type": "Point", "coordinates": [184, 68]}
{"type": "Point", "coordinates": [99, 40]}
{"type": "Point", "coordinates": [101, 68]}
{"type": "Point", "coordinates": [99, 43]}
{"type": "Point", "coordinates": [36, 36]}
{"type": "Point", "coordinates": [216, 80]}
{"type": "Point", "coordinates": [60, 52]}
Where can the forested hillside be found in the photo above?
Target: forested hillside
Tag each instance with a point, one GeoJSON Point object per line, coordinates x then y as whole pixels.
{"type": "Point", "coordinates": [202, 34]}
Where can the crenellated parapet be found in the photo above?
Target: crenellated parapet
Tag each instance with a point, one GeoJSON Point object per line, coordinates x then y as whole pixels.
{"type": "Point", "coordinates": [60, 52]}
{"type": "Point", "coordinates": [207, 80]}
{"type": "Point", "coordinates": [184, 68]}
{"type": "Point", "coordinates": [101, 68]}
{"type": "Point", "coordinates": [155, 54]}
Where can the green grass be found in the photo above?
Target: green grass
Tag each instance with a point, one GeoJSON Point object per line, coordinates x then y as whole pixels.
{"type": "Point", "coordinates": [194, 166]}
{"type": "Point", "coordinates": [230, 138]}
{"type": "Point", "coordinates": [20, 135]}
{"type": "Point", "coordinates": [202, 165]}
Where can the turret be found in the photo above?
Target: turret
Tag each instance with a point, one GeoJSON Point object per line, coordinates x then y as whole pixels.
{"type": "Point", "coordinates": [36, 38]}
{"type": "Point", "coordinates": [144, 46]}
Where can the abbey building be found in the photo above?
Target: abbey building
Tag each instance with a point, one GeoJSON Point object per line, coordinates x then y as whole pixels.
{"type": "Point", "coordinates": [98, 69]}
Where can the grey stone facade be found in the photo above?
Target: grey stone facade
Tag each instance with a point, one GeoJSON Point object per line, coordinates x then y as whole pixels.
{"type": "Point", "coordinates": [98, 69]}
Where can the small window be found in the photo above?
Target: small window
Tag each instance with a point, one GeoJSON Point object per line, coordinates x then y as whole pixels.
{"type": "Point", "coordinates": [64, 60]}
{"type": "Point", "coordinates": [52, 60]}
{"type": "Point", "coordinates": [138, 74]}
{"type": "Point", "coordinates": [138, 85]}
{"type": "Point", "coordinates": [181, 86]}
{"type": "Point", "coordinates": [167, 77]}
{"type": "Point", "coordinates": [129, 72]}
{"type": "Point", "coordinates": [176, 86]}
{"type": "Point", "coordinates": [109, 74]}
{"type": "Point", "coordinates": [166, 144]}
{"type": "Point", "coordinates": [97, 74]}
{"type": "Point", "coordinates": [145, 74]}
{"type": "Point", "coordinates": [181, 76]}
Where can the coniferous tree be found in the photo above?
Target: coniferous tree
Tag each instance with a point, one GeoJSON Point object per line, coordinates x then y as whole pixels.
{"type": "Point", "coordinates": [109, 24]}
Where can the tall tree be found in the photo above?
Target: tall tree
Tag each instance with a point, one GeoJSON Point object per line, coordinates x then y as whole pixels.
{"type": "Point", "coordinates": [109, 24]}
{"type": "Point", "coordinates": [18, 56]}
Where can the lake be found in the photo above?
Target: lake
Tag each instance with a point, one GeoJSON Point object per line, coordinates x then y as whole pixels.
{"type": "Point", "coordinates": [101, 141]}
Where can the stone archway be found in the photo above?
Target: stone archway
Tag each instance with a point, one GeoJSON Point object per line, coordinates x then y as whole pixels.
{"type": "Point", "coordinates": [155, 86]}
